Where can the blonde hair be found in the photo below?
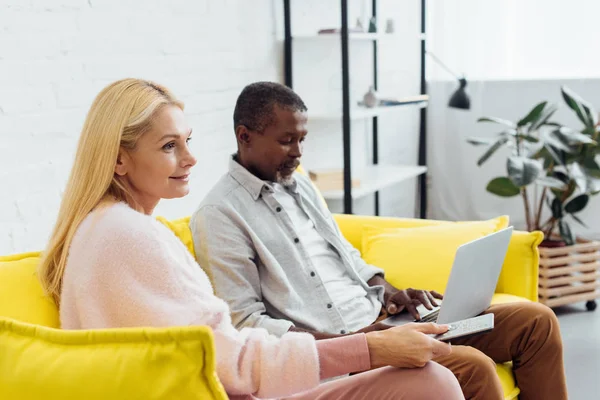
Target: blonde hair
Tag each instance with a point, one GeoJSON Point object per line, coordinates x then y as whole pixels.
{"type": "Point", "coordinates": [121, 113]}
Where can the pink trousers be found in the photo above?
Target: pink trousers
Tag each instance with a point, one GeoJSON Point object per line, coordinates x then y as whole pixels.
{"type": "Point", "coordinates": [431, 382]}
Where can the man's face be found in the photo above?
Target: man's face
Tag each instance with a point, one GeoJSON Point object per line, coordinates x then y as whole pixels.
{"type": "Point", "coordinates": [274, 154]}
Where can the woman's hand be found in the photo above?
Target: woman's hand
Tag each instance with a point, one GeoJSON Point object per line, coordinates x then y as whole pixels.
{"type": "Point", "coordinates": [406, 346]}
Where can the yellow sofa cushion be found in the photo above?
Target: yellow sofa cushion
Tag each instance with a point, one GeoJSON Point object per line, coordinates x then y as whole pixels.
{"type": "Point", "coordinates": [21, 294]}
{"type": "Point", "coordinates": [134, 363]}
{"type": "Point", "coordinates": [421, 257]}
{"type": "Point", "coordinates": [181, 229]}
{"type": "Point", "coordinates": [519, 274]}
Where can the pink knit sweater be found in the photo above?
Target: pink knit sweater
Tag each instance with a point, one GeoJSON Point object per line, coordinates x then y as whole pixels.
{"type": "Point", "coordinates": [127, 269]}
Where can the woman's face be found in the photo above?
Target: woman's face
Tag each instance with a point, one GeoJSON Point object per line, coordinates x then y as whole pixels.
{"type": "Point", "coordinates": [159, 166]}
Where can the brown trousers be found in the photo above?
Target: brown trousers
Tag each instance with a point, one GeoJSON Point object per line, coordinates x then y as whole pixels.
{"type": "Point", "coordinates": [525, 333]}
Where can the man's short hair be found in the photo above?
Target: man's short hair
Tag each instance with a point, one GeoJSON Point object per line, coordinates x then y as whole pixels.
{"type": "Point", "coordinates": [255, 106]}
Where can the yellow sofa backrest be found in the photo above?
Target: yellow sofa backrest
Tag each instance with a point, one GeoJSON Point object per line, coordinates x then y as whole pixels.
{"type": "Point", "coordinates": [21, 294]}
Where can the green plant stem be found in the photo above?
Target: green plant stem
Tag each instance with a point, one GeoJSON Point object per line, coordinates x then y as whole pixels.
{"type": "Point", "coordinates": [538, 215]}
{"type": "Point", "coordinates": [548, 232]}
{"type": "Point", "coordinates": [527, 210]}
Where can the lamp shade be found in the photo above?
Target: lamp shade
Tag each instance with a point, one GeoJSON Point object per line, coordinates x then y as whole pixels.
{"type": "Point", "coordinates": [460, 99]}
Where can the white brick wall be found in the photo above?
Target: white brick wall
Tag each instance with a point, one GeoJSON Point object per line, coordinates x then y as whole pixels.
{"type": "Point", "coordinates": [55, 55]}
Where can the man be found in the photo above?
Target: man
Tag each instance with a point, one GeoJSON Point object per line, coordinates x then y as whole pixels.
{"type": "Point", "coordinates": [276, 255]}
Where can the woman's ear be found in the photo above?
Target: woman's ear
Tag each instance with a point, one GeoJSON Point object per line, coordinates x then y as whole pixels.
{"type": "Point", "coordinates": [121, 165]}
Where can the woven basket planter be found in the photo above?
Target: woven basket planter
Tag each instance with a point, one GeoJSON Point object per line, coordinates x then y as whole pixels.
{"type": "Point", "coordinates": [570, 274]}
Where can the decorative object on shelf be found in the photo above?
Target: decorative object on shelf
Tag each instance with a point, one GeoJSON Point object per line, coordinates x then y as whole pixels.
{"type": "Point", "coordinates": [459, 98]}
{"type": "Point", "coordinates": [370, 98]}
{"type": "Point", "coordinates": [559, 162]}
{"type": "Point", "coordinates": [391, 102]}
{"type": "Point", "coordinates": [389, 26]}
{"type": "Point", "coordinates": [326, 31]}
{"type": "Point", "coordinates": [359, 25]}
{"type": "Point", "coordinates": [373, 25]}
{"type": "Point", "coordinates": [330, 179]}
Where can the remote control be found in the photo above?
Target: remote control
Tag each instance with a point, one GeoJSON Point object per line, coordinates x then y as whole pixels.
{"type": "Point", "coordinates": [467, 327]}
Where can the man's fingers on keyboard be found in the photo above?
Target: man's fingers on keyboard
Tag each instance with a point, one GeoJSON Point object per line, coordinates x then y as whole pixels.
{"type": "Point", "coordinates": [422, 297]}
{"type": "Point", "coordinates": [437, 295]}
{"type": "Point", "coordinates": [413, 311]}
{"type": "Point", "coordinates": [432, 299]}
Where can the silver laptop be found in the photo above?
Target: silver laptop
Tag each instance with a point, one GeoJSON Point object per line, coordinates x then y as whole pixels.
{"type": "Point", "coordinates": [471, 284]}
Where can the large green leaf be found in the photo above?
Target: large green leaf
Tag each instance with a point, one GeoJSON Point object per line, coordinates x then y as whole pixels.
{"type": "Point", "coordinates": [576, 218]}
{"type": "Point", "coordinates": [577, 204]}
{"type": "Point", "coordinates": [557, 141]}
{"type": "Point", "coordinates": [522, 170]}
{"type": "Point", "coordinates": [542, 119]}
{"type": "Point", "coordinates": [568, 190]}
{"type": "Point", "coordinates": [502, 186]}
{"type": "Point", "coordinates": [533, 114]}
{"type": "Point", "coordinates": [571, 137]}
{"type": "Point", "coordinates": [565, 232]}
{"type": "Point", "coordinates": [576, 172]}
{"type": "Point", "coordinates": [591, 167]}
{"type": "Point", "coordinates": [528, 138]}
{"type": "Point", "coordinates": [593, 186]}
{"type": "Point", "coordinates": [499, 143]}
{"type": "Point", "coordinates": [557, 210]}
{"type": "Point", "coordinates": [555, 154]}
{"type": "Point", "coordinates": [574, 104]}
{"type": "Point", "coordinates": [500, 121]}
{"type": "Point", "coordinates": [590, 114]}
{"type": "Point", "coordinates": [480, 141]}
{"type": "Point", "coordinates": [551, 182]}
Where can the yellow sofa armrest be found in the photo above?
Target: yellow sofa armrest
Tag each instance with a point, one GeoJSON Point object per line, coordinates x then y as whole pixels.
{"type": "Point", "coordinates": [519, 274]}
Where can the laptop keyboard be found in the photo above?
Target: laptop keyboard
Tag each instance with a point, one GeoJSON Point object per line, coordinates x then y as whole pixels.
{"type": "Point", "coordinates": [432, 317]}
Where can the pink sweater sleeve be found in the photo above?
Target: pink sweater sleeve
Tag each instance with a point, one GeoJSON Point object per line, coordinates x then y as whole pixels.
{"type": "Point", "coordinates": [343, 355]}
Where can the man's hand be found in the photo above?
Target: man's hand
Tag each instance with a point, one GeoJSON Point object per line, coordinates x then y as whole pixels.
{"type": "Point", "coordinates": [398, 300]}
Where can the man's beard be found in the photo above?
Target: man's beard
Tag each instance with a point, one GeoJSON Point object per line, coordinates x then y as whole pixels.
{"type": "Point", "coordinates": [284, 181]}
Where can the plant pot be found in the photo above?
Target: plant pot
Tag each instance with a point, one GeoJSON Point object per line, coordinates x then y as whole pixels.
{"type": "Point", "coordinates": [569, 274]}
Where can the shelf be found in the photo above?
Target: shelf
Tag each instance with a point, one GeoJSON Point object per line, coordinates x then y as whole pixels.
{"type": "Point", "coordinates": [351, 36]}
{"type": "Point", "coordinates": [363, 112]}
{"type": "Point", "coordinates": [377, 177]}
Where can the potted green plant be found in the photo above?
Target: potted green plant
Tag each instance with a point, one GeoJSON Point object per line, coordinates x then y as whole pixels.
{"type": "Point", "coordinates": [552, 165]}
{"type": "Point", "coordinates": [549, 165]}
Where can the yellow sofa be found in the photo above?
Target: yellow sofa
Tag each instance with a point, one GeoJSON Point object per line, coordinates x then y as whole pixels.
{"type": "Point", "coordinates": [22, 299]}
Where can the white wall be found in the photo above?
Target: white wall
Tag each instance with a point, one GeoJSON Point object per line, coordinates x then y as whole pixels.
{"type": "Point", "coordinates": [55, 56]}
{"type": "Point", "coordinates": [515, 39]}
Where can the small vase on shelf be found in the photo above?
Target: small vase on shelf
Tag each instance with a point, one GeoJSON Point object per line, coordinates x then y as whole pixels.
{"type": "Point", "coordinates": [370, 98]}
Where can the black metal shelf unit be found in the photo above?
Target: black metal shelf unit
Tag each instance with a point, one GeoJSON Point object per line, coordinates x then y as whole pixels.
{"type": "Point", "coordinates": [346, 120]}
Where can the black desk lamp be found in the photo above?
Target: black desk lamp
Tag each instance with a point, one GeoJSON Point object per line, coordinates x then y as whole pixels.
{"type": "Point", "coordinates": [459, 98]}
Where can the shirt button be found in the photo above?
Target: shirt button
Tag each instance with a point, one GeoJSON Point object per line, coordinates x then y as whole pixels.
{"type": "Point", "coordinates": [342, 331]}
{"type": "Point", "coordinates": [312, 273]}
{"type": "Point", "coordinates": [329, 305]}
{"type": "Point", "coordinates": [296, 240]}
{"type": "Point", "coordinates": [278, 209]}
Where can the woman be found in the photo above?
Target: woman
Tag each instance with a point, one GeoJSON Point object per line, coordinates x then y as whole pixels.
{"type": "Point", "coordinates": [110, 264]}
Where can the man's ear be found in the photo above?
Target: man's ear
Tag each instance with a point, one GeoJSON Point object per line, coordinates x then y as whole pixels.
{"type": "Point", "coordinates": [242, 134]}
{"type": "Point", "coordinates": [122, 163]}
